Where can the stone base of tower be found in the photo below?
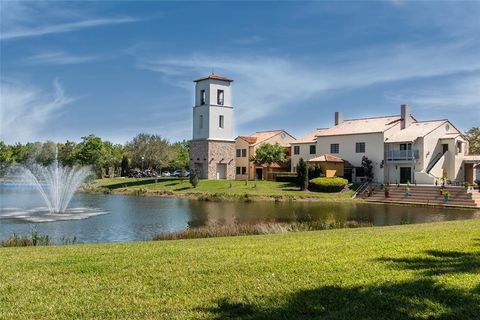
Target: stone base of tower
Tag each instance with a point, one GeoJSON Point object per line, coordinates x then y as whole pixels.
{"type": "Point", "coordinates": [213, 159]}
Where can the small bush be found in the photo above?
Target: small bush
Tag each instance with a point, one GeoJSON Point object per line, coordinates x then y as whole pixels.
{"type": "Point", "coordinates": [335, 184]}
{"type": "Point", "coordinates": [193, 178]}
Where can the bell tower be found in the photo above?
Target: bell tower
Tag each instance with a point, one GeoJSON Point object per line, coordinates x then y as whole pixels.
{"type": "Point", "coordinates": [212, 148]}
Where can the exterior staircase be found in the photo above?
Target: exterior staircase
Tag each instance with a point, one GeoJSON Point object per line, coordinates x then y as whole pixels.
{"type": "Point", "coordinates": [426, 195]}
{"type": "Point", "coordinates": [475, 193]}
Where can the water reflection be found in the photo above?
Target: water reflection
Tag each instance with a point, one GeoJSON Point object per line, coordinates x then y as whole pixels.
{"type": "Point", "coordinates": [133, 218]}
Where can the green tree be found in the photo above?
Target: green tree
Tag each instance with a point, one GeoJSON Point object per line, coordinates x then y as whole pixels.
{"type": "Point", "coordinates": [181, 152]}
{"type": "Point", "coordinates": [125, 166]}
{"type": "Point", "coordinates": [268, 154]}
{"type": "Point", "coordinates": [112, 155]}
{"type": "Point", "coordinates": [46, 153]}
{"type": "Point", "coordinates": [66, 153]}
{"type": "Point", "coordinates": [367, 168]}
{"type": "Point", "coordinates": [156, 151]}
{"type": "Point", "coordinates": [302, 174]}
{"type": "Point", "coordinates": [6, 158]}
{"type": "Point", "coordinates": [473, 135]}
{"type": "Point", "coordinates": [91, 152]}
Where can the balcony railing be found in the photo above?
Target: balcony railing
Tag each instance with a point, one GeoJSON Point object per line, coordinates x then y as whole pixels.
{"type": "Point", "coordinates": [401, 155]}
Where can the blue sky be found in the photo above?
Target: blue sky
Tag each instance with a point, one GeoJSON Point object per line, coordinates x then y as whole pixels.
{"type": "Point", "coordinates": [116, 69]}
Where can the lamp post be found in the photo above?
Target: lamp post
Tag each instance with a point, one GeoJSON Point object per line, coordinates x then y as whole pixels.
{"type": "Point", "coordinates": [143, 158]}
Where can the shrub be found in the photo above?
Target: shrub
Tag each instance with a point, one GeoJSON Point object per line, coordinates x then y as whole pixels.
{"type": "Point", "coordinates": [193, 178]}
{"type": "Point", "coordinates": [321, 184]}
{"type": "Point", "coordinates": [314, 171]}
{"type": "Point", "coordinates": [290, 179]}
{"type": "Point", "coordinates": [34, 239]}
{"type": "Point", "coordinates": [302, 174]}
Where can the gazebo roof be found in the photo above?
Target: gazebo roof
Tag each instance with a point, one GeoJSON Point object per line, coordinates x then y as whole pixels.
{"type": "Point", "coordinates": [327, 158]}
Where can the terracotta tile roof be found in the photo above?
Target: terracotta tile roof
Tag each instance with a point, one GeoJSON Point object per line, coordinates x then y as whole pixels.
{"type": "Point", "coordinates": [250, 140]}
{"type": "Point", "coordinates": [414, 131]}
{"type": "Point", "coordinates": [326, 158]}
{"type": "Point", "coordinates": [261, 136]}
{"type": "Point", "coordinates": [310, 137]}
{"type": "Point", "coordinates": [359, 126]}
{"type": "Point", "coordinates": [213, 77]}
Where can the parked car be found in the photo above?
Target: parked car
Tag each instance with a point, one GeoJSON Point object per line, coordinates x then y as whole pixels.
{"type": "Point", "coordinates": [166, 174]}
{"type": "Point", "coordinates": [180, 173]}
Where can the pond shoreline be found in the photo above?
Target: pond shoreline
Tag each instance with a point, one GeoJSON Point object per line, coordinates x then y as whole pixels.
{"type": "Point", "coordinates": [218, 196]}
{"type": "Point", "coordinates": [226, 197]}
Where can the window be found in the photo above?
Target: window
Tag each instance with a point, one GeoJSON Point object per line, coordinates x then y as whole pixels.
{"type": "Point", "coordinates": [444, 147]}
{"type": "Point", "coordinates": [220, 97]}
{"type": "Point", "coordinates": [334, 148]}
{"type": "Point", "coordinates": [201, 122]}
{"type": "Point", "coordinates": [313, 149]}
{"type": "Point", "coordinates": [244, 153]}
{"type": "Point", "coordinates": [239, 153]}
{"type": "Point", "coordinates": [360, 147]}
{"type": "Point", "coordinates": [203, 97]}
{"type": "Point", "coordinates": [241, 170]}
{"type": "Point", "coordinates": [220, 121]}
{"type": "Point", "coordinates": [406, 146]}
{"type": "Point", "coordinates": [296, 149]}
{"type": "Point", "coordinates": [459, 147]}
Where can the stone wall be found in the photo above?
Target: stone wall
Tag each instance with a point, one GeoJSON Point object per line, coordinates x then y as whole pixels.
{"type": "Point", "coordinates": [221, 152]}
{"type": "Point", "coordinates": [206, 154]}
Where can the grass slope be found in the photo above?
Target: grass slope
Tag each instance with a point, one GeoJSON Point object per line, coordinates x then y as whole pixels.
{"type": "Point", "coordinates": [429, 271]}
{"type": "Point", "coordinates": [233, 188]}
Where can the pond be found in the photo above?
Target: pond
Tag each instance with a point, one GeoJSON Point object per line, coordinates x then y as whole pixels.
{"type": "Point", "coordinates": [132, 218]}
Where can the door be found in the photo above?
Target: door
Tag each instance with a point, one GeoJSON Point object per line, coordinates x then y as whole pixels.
{"type": "Point", "coordinates": [405, 174]}
{"type": "Point", "coordinates": [221, 171]}
{"type": "Point", "coordinates": [259, 173]}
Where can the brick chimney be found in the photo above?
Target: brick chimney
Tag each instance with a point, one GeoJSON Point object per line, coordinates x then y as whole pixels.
{"type": "Point", "coordinates": [406, 116]}
{"type": "Point", "coordinates": [338, 118]}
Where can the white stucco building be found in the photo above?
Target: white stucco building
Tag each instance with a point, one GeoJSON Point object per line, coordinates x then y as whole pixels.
{"type": "Point", "coordinates": [400, 147]}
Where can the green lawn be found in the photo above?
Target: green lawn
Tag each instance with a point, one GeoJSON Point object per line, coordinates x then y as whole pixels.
{"type": "Point", "coordinates": [222, 187]}
{"type": "Point", "coordinates": [429, 271]}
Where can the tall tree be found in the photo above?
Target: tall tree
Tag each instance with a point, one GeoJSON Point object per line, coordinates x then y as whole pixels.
{"type": "Point", "coordinates": [473, 135]}
{"type": "Point", "coordinates": [302, 174]}
{"type": "Point", "coordinates": [181, 158]}
{"type": "Point", "coordinates": [66, 153]}
{"type": "Point", "coordinates": [268, 154]}
{"type": "Point", "coordinates": [156, 151]}
{"type": "Point", "coordinates": [367, 168]}
{"type": "Point", "coordinates": [125, 166]}
{"type": "Point", "coordinates": [6, 158]}
{"type": "Point", "coordinates": [91, 152]}
{"type": "Point", "coordinates": [46, 153]}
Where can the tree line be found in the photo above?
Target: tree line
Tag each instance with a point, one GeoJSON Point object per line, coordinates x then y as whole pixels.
{"type": "Point", "coordinates": [144, 151]}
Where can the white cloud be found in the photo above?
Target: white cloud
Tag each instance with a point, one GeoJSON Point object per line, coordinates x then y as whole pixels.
{"type": "Point", "coordinates": [461, 94]}
{"type": "Point", "coordinates": [266, 84]}
{"type": "Point", "coordinates": [58, 57]}
{"type": "Point", "coordinates": [28, 19]}
{"type": "Point", "coordinates": [26, 110]}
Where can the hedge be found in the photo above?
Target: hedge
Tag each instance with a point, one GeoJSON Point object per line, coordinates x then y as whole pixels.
{"type": "Point", "coordinates": [323, 184]}
{"type": "Point", "coordinates": [292, 179]}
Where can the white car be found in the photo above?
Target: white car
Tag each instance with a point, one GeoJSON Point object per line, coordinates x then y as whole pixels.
{"type": "Point", "coordinates": [166, 174]}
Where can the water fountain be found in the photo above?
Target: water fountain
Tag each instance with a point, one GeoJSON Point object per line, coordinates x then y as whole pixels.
{"type": "Point", "coordinates": [57, 185]}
